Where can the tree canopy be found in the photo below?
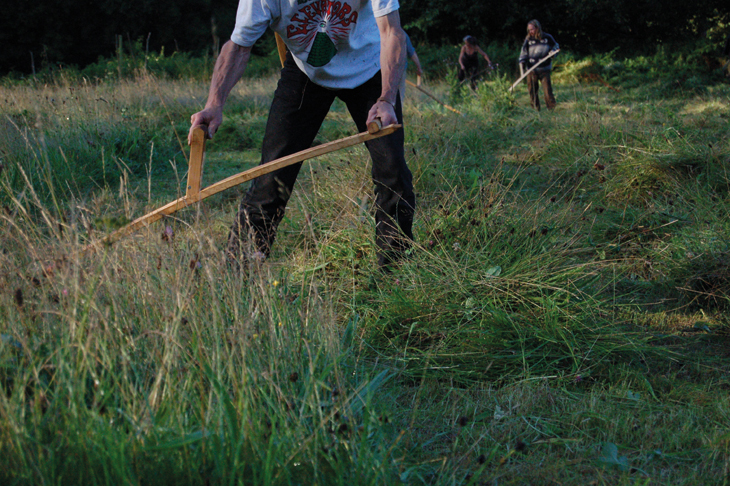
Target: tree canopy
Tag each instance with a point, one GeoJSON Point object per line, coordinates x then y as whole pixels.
{"type": "Point", "coordinates": [585, 25]}
{"type": "Point", "coordinates": [79, 31]}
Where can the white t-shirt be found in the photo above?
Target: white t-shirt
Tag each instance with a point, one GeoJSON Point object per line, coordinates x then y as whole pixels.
{"type": "Point", "coordinates": [336, 43]}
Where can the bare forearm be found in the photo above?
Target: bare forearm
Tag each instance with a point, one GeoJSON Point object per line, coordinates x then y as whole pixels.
{"type": "Point", "coordinates": [392, 56]}
{"type": "Point", "coordinates": [229, 68]}
{"type": "Point", "coordinates": [392, 67]}
{"type": "Point", "coordinates": [484, 55]}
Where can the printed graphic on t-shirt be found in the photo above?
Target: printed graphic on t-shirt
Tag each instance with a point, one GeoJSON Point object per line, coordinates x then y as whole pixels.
{"type": "Point", "coordinates": [321, 25]}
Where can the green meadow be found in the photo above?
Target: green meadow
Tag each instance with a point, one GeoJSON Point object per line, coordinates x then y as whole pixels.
{"type": "Point", "coordinates": [562, 318]}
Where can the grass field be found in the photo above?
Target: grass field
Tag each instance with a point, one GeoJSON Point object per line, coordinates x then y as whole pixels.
{"type": "Point", "coordinates": [563, 318]}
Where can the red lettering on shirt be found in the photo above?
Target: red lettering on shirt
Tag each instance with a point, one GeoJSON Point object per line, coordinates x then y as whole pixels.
{"type": "Point", "coordinates": [331, 16]}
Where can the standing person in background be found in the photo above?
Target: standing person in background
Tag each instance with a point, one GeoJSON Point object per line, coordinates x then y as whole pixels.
{"type": "Point", "coordinates": [469, 60]}
{"type": "Point", "coordinates": [410, 54]}
{"type": "Point", "coordinates": [538, 45]}
{"type": "Point", "coordinates": [352, 51]}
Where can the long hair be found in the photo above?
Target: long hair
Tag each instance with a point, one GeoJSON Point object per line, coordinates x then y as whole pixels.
{"type": "Point", "coordinates": [538, 27]}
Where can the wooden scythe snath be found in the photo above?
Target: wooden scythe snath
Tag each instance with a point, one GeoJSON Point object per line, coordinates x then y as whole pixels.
{"type": "Point", "coordinates": [281, 47]}
{"type": "Point", "coordinates": [524, 75]}
{"type": "Point", "coordinates": [419, 88]}
{"type": "Point", "coordinates": [195, 194]}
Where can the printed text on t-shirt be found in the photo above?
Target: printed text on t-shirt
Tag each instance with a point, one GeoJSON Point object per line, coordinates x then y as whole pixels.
{"type": "Point", "coordinates": [332, 17]}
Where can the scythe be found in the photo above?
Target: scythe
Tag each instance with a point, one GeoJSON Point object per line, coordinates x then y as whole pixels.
{"type": "Point", "coordinates": [195, 194]}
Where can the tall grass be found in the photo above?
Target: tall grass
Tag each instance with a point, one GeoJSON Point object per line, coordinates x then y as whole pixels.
{"type": "Point", "coordinates": [561, 317]}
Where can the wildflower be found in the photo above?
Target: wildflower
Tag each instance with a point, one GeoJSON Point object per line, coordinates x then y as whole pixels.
{"type": "Point", "coordinates": [168, 234]}
{"type": "Point", "coordinates": [456, 246]}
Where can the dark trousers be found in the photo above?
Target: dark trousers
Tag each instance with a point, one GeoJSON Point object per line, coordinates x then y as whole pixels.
{"type": "Point", "coordinates": [297, 112]}
{"type": "Point", "coordinates": [470, 73]}
{"type": "Point", "coordinates": [533, 87]}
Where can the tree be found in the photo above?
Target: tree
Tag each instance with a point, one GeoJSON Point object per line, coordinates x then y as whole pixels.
{"type": "Point", "coordinates": [79, 31]}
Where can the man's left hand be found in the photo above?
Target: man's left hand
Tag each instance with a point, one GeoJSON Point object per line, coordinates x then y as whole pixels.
{"type": "Point", "coordinates": [385, 111]}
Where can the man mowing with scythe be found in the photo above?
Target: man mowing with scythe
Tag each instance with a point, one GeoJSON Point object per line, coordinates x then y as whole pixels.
{"type": "Point", "coordinates": [350, 49]}
{"type": "Point", "coordinates": [536, 51]}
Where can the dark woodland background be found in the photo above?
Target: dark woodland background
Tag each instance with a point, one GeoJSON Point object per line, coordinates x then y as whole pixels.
{"type": "Point", "coordinates": [79, 32]}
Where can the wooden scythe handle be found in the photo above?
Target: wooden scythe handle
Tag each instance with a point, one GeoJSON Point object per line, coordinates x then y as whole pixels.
{"type": "Point", "coordinates": [197, 156]}
{"type": "Point", "coordinates": [281, 47]}
{"type": "Point", "coordinates": [410, 83]}
{"type": "Point", "coordinates": [375, 126]}
{"type": "Point", "coordinates": [193, 196]}
{"type": "Point", "coordinates": [524, 75]}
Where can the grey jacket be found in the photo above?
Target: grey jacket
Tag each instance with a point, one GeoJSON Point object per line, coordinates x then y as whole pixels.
{"type": "Point", "coordinates": [535, 49]}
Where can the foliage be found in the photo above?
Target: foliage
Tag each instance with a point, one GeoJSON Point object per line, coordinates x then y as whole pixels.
{"type": "Point", "coordinates": [78, 33]}
{"type": "Point", "coordinates": [494, 95]}
{"type": "Point", "coordinates": [584, 27]}
{"type": "Point", "coordinates": [136, 62]}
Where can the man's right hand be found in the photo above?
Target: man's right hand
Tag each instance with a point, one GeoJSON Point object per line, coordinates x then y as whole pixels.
{"type": "Point", "coordinates": [212, 117]}
{"type": "Point", "coordinates": [228, 70]}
